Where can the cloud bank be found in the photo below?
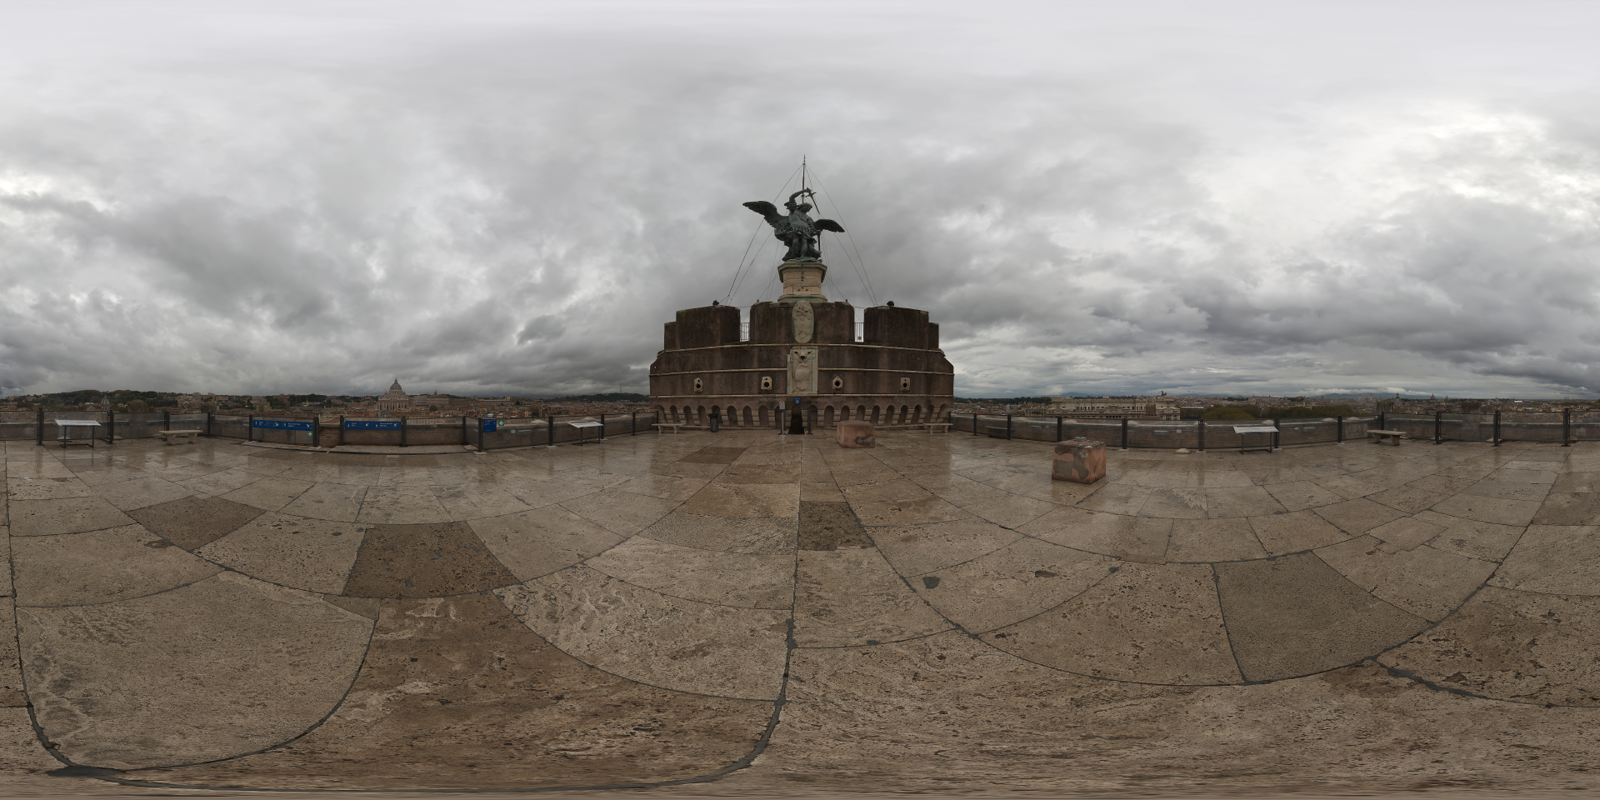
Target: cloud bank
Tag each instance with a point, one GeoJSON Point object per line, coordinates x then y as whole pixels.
{"type": "Point", "coordinates": [513, 199]}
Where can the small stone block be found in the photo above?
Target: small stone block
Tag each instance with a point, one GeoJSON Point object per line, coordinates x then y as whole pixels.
{"type": "Point", "coordinates": [1079, 461]}
{"type": "Point", "coordinates": [856, 433]}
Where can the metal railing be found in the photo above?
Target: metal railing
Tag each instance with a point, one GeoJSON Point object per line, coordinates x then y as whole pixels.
{"type": "Point", "coordinates": [482, 433]}
{"type": "Point", "coordinates": [492, 434]}
{"type": "Point", "coordinates": [1565, 427]}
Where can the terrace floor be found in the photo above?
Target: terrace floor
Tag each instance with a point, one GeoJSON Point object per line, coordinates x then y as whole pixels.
{"type": "Point", "coordinates": [932, 615]}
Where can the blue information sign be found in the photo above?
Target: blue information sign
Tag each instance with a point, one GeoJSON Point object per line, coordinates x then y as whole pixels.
{"type": "Point", "coordinates": [372, 424]}
{"type": "Point", "coordinates": [282, 424]}
{"type": "Point", "coordinates": [491, 425]}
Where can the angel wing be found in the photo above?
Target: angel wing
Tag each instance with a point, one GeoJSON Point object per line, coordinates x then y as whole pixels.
{"type": "Point", "coordinates": [826, 225]}
{"type": "Point", "coordinates": [762, 207]}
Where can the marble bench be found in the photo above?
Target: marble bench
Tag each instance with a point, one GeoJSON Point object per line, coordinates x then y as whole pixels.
{"type": "Point", "coordinates": [1393, 437]}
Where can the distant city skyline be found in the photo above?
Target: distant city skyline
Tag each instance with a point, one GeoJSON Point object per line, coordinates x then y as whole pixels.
{"type": "Point", "coordinates": [506, 198]}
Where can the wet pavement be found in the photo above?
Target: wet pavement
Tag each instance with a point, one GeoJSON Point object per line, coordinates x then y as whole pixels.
{"type": "Point", "coordinates": [760, 614]}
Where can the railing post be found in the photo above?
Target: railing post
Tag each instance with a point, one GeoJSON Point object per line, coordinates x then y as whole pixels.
{"type": "Point", "coordinates": [209, 416]}
{"type": "Point", "coordinates": [602, 427]}
{"type": "Point", "coordinates": [1124, 433]}
{"type": "Point", "coordinates": [549, 429]}
{"type": "Point", "coordinates": [166, 420]}
{"type": "Point", "coordinates": [1340, 435]}
{"type": "Point", "coordinates": [974, 423]}
{"type": "Point", "coordinates": [1277, 443]}
{"type": "Point", "coordinates": [633, 426]}
{"type": "Point", "coordinates": [1438, 425]}
{"type": "Point", "coordinates": [250, 428]}
{"type": "Point", "coordinates": [1202, 424]}
{"type": "Point", "coordinates": [1383, 420]}
{"type": "Point", "coordinates": [1008, 427]}
{"type": "Point", "coordinates": [464, 429]}
{"type": "Point", "coordinates": [1497, 427]}
{"type": "Point", "coordinates": [111, 427]}
{"type": "Point", "coordinates": [480, 434]}
{"type": "Point", "coordinates": [39, 429]}
{"type": "Point", "coordinates": [1566, 427]}
{"type": "Point", "coordinates": [316, 430]}
{"type": "Point", "coordinates": [1058, 427]}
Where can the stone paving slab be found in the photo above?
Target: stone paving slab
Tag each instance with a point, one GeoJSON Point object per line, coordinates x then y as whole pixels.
{"type": "Point", "coordinates": [11, 689]}
{"type": "Point", "coordinates": [1143, 623]}
{"type": "Point", "coordinates": [1020, 580]}
{"type": "Point", "coordinates": [652, 638]}
{"type": "Point", "coordinates": [851, 597]}
{"type": "Point", "coordinates": [496, 707]}
{"type": "Point", "coordinates": [1509, 645]}
{"type": "Point", "coordinates": [77, 569]}
{"type": "Point", "coordinates": [1296, 616]}
{"type": "Point", "coordinates": [934, 614]}
{"type": "Point", "coordinates": [216, 669]}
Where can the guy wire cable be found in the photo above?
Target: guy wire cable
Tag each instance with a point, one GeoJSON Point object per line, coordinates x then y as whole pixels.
{"type": "Point", "coordinates": [861, 270]}
{"type": "Point", "coordinates": [743, 267]}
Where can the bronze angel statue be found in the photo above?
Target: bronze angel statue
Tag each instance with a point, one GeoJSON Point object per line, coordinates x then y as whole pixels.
{"type": "Point", "coordinates": [796, 229]}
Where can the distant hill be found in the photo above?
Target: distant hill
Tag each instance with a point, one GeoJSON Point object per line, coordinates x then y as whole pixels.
{"type": "Point", "coordinates": [608, 397]}
{"type": "Point", "coordinates": [1016, 401]}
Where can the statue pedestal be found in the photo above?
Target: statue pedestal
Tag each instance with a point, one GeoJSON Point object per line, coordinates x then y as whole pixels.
{"type": "Point", "coordinates": [802, 280]}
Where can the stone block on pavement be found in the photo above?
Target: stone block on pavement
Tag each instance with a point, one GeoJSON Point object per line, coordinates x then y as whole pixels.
{"type": "Point", "coordinates": [856, 433]}
{"type": "Point", "coordinates": [1079, 461]}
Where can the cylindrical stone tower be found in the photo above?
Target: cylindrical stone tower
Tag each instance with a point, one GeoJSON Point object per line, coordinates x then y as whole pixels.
{"type": "Point", "coordinates": [802, 353]}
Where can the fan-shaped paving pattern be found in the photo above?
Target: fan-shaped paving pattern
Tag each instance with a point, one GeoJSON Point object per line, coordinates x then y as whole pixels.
{"type": "Point", "coordinates": [634, 611]}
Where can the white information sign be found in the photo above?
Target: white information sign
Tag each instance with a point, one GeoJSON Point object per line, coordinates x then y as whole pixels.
{"type": "Point", "coordinates": [64, 431]}
{"type": "Point", "coordinates": [582, 426]}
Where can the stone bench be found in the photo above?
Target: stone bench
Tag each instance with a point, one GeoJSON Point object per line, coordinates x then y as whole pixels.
{"type": "Point", "coordinates": [1393, 437]}
{"type": "Point", "coordinates": [942, 427]}
{"type": "Point", "coordinates": [181, 436]}
{"type": "Point", "coordinates": [662, 426]}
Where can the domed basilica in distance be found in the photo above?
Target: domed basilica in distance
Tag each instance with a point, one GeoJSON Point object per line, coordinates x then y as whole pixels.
{"type": "Point", "coordinates": [802, 353]}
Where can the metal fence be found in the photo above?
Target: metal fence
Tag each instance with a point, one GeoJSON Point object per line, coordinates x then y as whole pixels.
{"type": "Point", "coordinates": [479, 433]}
{"type": "Point", "coordinates": [1565, 427]}
{"type": "Point", "coordinates": [493, 434]}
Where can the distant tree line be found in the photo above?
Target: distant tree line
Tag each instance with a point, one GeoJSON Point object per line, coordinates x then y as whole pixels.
{"type": "Point", "coordinates": [1015, 401]}
{"type": "Point", "coordinates": [608, 397]}
{"type": "Point", "coordinates": [1297, 412]}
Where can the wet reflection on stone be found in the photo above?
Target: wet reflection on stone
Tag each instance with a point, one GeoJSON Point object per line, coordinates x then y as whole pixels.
{"type": "Point", "coordinates": [930, 610]}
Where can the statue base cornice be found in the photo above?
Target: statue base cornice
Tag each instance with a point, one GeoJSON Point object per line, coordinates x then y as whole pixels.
{"type": "Point", "coordinates": [802, 280]}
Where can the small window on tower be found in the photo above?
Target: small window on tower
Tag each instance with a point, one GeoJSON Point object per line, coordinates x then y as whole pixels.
{"type": "Point", "coordinates": [699, 385]}
{"type": "Point", "coordinates": [905, 384]}
{"type": "Point", "coordinates": [838, 383]}
{"type": "Point", "coordinates": [766, 383]}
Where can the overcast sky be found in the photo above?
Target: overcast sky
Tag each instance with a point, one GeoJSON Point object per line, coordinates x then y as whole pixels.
{"type": "Point", "coordinates": [512, 197]}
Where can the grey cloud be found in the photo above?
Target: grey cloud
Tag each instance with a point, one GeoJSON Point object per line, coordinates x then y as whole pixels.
{"type": "Point", "coordinates": [521, 212]}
